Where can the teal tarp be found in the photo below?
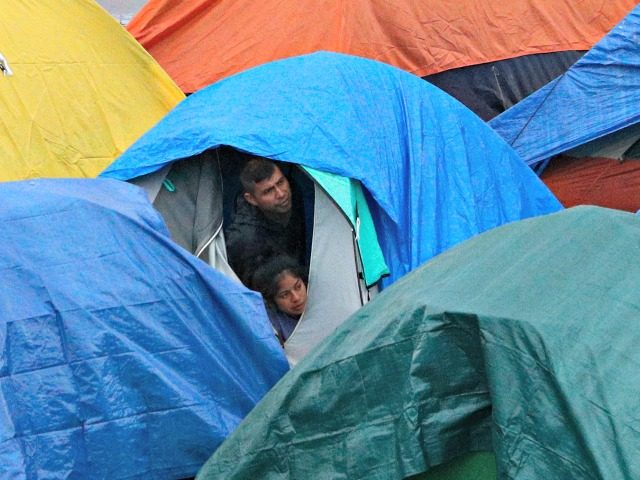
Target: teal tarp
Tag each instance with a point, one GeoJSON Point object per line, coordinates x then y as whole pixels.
{"type": "Point", "coordinates": [523, 340]}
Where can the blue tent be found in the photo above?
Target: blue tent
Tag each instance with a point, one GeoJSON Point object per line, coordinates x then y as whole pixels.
{"type": "Point", "coordinates": [121, 355]}
{"type": "Point", "coordinates": [597, 97]}
{"type": "Point", "coordinates": [434, 174]}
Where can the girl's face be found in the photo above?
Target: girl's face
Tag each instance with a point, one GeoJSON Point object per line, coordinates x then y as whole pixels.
{"type": "Point", "coordinates": [292, 295]}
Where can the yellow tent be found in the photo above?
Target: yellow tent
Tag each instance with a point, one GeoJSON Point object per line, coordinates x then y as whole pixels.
{"type": "Point", "coordinates": [76, 89]}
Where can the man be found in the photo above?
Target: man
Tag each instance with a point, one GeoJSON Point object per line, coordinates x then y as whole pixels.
{"type": "Point", "coordinates": [268, 220]}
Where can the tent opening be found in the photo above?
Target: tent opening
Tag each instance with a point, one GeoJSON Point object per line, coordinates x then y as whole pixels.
{"type": "Point", "coordinates": [196, 197]}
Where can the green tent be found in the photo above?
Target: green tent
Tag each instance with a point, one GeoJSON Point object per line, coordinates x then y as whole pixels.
{"type": "Point", "coordinates": [521, 343]}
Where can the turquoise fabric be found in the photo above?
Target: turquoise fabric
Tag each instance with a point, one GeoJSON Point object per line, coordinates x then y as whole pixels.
{"type": "Point", "coordinates": [348, 195]}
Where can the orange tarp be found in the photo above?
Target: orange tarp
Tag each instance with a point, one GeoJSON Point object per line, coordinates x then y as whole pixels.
{"type": "Point", "coordinates": [604, 182]}
{"type": "Point", "coordinates": [201, 41]}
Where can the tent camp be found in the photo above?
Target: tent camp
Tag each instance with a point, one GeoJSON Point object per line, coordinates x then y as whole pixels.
{"type": "Point", "coordinates": [398, 171]}
{"type": "Point", "coordinates": [581, 130]}
{"type": "Point", "coordinates": [75, 89]}
{"type": "Point", "coordinates": [121, 355]}
{"type": "Point", "coordinates": [488, 54]}
{"type": "Point", "coordinates": [484, 349]}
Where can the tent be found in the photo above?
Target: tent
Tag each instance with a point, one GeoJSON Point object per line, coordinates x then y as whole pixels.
{"type": "Point", "coordinates": [121, 355]}
{"type": "Point", "coordinates": [412, 171]}
{"type": "Point", "coordinates": [75, 89]}
{"type": "Point", "coordinates": [486, 348]}
{"type": "Point", "coordinates": [489, 55]}
{"type": "Point", "coordinates": [581, 130]}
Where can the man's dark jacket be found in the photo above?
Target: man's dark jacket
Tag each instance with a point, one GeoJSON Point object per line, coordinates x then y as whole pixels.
{"type": "Point", "coordinates": [252, 237]}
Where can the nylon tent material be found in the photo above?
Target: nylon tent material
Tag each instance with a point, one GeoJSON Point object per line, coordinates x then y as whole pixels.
{"type": "Point", "coordinates": [598, 181]}
{"type": "Point", "coordinates": [78, 90]}
{"type": "Point", "coordinates": [594, 98]}
{"type": "Point", "coordinates": [489, 89]}
{"type": "Point", "coordinates": [591, 111]}
{"type": "Point", "coordinates": [423, 37]}
{"type": "Point", "coordinates": [121, 355]}
{"type": "Point", "coordinates": [434, 174]}
{"type": "Point", "coordinates": [485, 348]}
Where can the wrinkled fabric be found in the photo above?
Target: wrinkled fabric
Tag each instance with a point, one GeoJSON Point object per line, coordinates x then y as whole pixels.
{"type": "Point", "coordinates": [121, 355]}
{"type": "Point", "coordinates": [488, 89]}
{"type": "Point", "coordinates": [82, 90]}
{"type": "Point", "coordinates": [201, 41]}
{"type": "Point", "coordinates": [605, 182]}
{"type": "Point", "coordinates": [597, 96]}
{"type": "Point", "coordinates": [485, 348]}
{"type": "Point", "coordinates": [434, 174]}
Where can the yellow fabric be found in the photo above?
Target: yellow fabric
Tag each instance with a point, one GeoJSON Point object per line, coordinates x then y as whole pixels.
{"type": "Point", "coordinates": [82, 90]}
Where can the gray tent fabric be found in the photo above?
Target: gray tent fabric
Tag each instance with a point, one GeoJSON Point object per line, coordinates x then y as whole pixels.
{"type": "Point", "coordinates": [522, 341]}
{"type": "Point", "coordinates": [190, 201]}
{"type": "Point", "coordinates": [334, 286]}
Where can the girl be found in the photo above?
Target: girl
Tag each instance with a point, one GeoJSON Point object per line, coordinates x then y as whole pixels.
{"type": "Point", "coordinates": [282, 281]}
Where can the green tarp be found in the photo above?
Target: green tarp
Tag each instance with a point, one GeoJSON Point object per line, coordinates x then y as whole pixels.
{"type": "Point", "coordinates": [522, 341]}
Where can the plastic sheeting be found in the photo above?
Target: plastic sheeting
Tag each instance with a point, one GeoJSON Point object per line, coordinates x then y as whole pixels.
{"type": "Point", "coordinates": [484, 348]}
{"type": "Point", "coordinates": [434, 173]}
{"type": "Point", "coordinates": [200, 41]}
{"type": "Point", "coordinates": [598, 96]}
{"type": "Point", "coordinates": [594, 181]}
{"type": "Point", "coordinates": [81, 92]}
{"type": "Point", "coordinates": [121, 355]}
{"type": "Point", "coordinates": [491, 88]}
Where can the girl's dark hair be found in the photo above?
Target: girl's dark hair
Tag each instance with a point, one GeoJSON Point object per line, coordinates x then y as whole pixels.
{"type": "Point", "coordinates": [266, 277]}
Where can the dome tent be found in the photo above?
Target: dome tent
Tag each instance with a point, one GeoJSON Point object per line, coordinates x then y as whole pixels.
{"type": "Point", "coordinates": [487, 54]}
{"type": "Point", "coordinates": [121, 355]}
{"type": "Point", "coordinates": [483, 349]}
{"type": "Point", "coordinates": [76, 89]}
{"type": "Point", "coordinates": [581, 130]}
{"type": "Point", "coordinates": [432, 174]}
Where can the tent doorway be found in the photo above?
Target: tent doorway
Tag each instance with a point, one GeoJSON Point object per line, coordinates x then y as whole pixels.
{"type": "Point", "coordinates": [196, 196]}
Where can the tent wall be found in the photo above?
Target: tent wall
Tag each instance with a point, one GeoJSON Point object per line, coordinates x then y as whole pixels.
{"type": "Point", "coordinates": [189, 199]}
{"type": "Point", "coordinates": [200, 42]}
{"type": "Point", "coordinates": [82, 90]}
{"type": "Point", "coordinates": [335, 288]}
{"type": "Point", "coordinates": [490, 88]}
{"type": "Point", "coordinates": [595, 181]}
{"type": "Point", "coordinates": [596, 97]}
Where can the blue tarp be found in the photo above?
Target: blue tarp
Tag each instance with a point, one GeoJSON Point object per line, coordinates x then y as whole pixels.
{"type": "Point", "coordinates": [597, 96]}
{"type": "Point", "coordinates": [434, 172]}
{"type": "Point", "coordinates": [121, 355]}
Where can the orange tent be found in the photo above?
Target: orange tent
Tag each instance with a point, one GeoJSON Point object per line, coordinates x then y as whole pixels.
{"type": "Point", "coordinates": [201, 41]}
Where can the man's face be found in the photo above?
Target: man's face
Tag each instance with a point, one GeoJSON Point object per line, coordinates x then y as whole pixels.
{"type": "Point", "coordinates": [272, 195]}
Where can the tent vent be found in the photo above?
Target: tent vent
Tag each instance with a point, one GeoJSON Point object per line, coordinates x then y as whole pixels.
{"type": "Point", "coordinates": [4, 66]}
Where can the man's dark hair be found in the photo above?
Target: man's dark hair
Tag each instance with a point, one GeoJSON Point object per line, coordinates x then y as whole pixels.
{"type": "Point", "coordinates": [256, 170]}
{"type": "Point", "coordinates": [266, 277]}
